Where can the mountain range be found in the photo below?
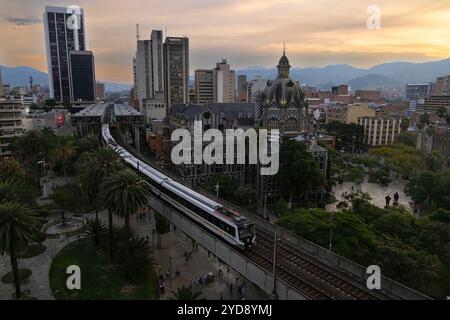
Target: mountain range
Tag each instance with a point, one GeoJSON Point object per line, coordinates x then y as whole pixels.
{"type": "Point", "coordinates": [386, 74]}
{"type": "Point", "coordinates": [19, 76]}
{"type": "Point", "coordinates": [379, 76]}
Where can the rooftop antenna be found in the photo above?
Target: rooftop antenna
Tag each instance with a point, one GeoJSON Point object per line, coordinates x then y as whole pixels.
{"type": "Point", "coordinates": [284, 47]}
{"type": "Point", "coordinates": [137, 31]}
{"type": "Point", "coordinates": [31, 84]}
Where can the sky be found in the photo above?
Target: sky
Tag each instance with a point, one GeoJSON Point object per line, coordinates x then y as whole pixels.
{"type": "Point", "coordinates": [245, 32]}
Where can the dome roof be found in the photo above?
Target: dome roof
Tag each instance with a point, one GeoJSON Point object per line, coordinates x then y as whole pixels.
{"type": "Point", "coordinates": [283, 90]}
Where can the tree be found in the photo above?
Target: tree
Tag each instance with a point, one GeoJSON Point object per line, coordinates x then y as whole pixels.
{"type": "Point", "coordinates": [441, 215]}
{"type": "Point", "coordinates": [435, 161]}
{"type": "Point", "coordinates": [442, 113]}
{"type": "Point", "coordinates": [404, 124]}
{"type": "Point", "coordinates": [298, 171]}
{"type": "Point", "coordinates": [28, 149]}
{"type": "Point", "coordinates": [95, 167]}
{"type": "Point", "coordinates": [227, 185]}
{"type": "Point", "coordinates": [124, 193]}
{"type": "Point", "coordinates": [406, 138]}
{"type": "Point", "coordinates": [185, 293]}
{"type": "Point", "coordinates": [63, 151]}
{"type": "Point", "coordinates": [49, 104]}
{"type": "Point", "coordinates": [422, 186]}
{"type": "Point", "coordinates": [18, 229]}
{"type": "Point", "coordinates": [424, 120]}
{"type": "Point", "coordinates": [96, 229]}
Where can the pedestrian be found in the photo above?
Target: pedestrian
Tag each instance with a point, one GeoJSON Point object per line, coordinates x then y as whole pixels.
{"type": "Point", "coordinates": [396, 198]}
{"type": "Point", "coordinates": [237, 278]}
{"type": "Point", "coordinates": [388, 200]}
{"type": "Point", "coordinates": [220, 271]}
{"type": "Point", "coordinates": [167, 274]}
{"type": "Point", "coordinates": [147, 239]}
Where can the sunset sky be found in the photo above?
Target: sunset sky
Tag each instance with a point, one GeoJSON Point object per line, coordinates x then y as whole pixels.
{"type": "Point", "coordinates": [246, 32]}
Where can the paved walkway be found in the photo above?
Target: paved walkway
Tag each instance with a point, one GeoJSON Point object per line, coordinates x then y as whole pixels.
{"type": "Point", "coordinates": [174, 245]}
{"type": "Point", "coordinates": [376, 191]}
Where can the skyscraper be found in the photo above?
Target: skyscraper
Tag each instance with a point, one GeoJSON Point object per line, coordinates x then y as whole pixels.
{"type": "Point", "coordinates": [176, 70]}
{"type": "Point", "coordinates": [148, 73]}
{"type": "Point", "coordinates": [62, 37]}
{"type": "Point", "coordinates": [225, 82]}
{"type": "Point", "coordinates": [215, 85]}
{"type": "Point", "coordinates": [204, 86]}
{"type": "Point", "coordinates": [82, 76]}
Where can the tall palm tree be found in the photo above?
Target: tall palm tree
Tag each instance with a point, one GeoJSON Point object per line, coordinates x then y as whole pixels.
{"type": "Point", "coordinates": [18, 229]}
{"type": "Point", "coordinates": [124, 193]}
{"type": "Point", "coordinates": [63, 151]}
{"type": "Point", "coordinates": [94, 169]}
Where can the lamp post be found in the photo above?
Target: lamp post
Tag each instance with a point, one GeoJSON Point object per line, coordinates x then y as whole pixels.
{"type": "Point", "coordinates": [265, 203]}
{"type": "Point", "coordinates": [331, 231]}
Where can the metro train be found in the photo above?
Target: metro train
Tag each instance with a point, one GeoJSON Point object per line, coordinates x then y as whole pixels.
{"type": "Point", "coordinates": [227, 224]}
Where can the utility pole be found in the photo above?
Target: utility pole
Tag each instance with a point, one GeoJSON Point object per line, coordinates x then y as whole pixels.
{"type": "Point", "coordinates": [137, 213]}
{"type": "Point", "coordinates": [274, 293]}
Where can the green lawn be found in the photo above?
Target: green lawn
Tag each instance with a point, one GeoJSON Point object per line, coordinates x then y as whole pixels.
{"type": "Point", "coordinates": [99, 280]}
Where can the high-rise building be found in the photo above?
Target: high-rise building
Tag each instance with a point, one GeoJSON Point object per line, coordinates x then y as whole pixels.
{"type": "Point", "coordinates": [82, 76]}
{"type": "Point", "coordinates": [442, 86]}
{"type": "Point", "coordinates": [242, 88]}
{"type": "Point", "coordinates": [148, 71]}
{"type": "Point", "coordinates": [225, 82]}
{"type": "Point", "coordinates": [61, 38]}
{"type": "Point", "coordinates": [254, 87]}
{"type": "Point", "coordinates": [204, 86]}
{"type": "Point", "coordinates": [215, 85]}
{"type": "Point", "coordinates": [10, 125]}
{"type": "Point", "coordinates": [415, 92]}
{"type": "Point", "coordinates": [1, 84]}
{"type": "Point", "coordinates": [176, 70]}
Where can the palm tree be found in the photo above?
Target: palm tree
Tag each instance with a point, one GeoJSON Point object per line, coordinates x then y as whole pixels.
{"type": "Point", "coordinates": [63, 151]}
{"type": "Point", "coordinates": [185, 293]}
{"type": "Point", "coordinates": [95, 167]}
{"type": "Point", "coordinates": [18, 229]}
{"type": "Point", "coordinates": [124, 193]}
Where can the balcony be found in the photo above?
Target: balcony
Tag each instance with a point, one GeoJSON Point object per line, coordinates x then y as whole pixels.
{"type": "Point", "coordinates": [10, 118]}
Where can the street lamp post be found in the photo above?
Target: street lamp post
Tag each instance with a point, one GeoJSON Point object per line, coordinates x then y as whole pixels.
{"type": "Point", "coordinates": [331, 231]}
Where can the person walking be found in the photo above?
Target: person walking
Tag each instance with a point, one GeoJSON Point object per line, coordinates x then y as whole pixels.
{"type": "Point", "coordinates": [388, 200]}
{"type": "Point", "coordinates": [396, 198]}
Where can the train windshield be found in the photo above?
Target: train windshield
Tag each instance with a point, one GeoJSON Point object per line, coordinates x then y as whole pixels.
{"type": "Point", "coordinates": [246, 231]}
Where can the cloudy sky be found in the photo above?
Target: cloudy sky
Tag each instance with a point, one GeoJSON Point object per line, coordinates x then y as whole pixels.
{"type": "Point", "coordinates": [246, 32]}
